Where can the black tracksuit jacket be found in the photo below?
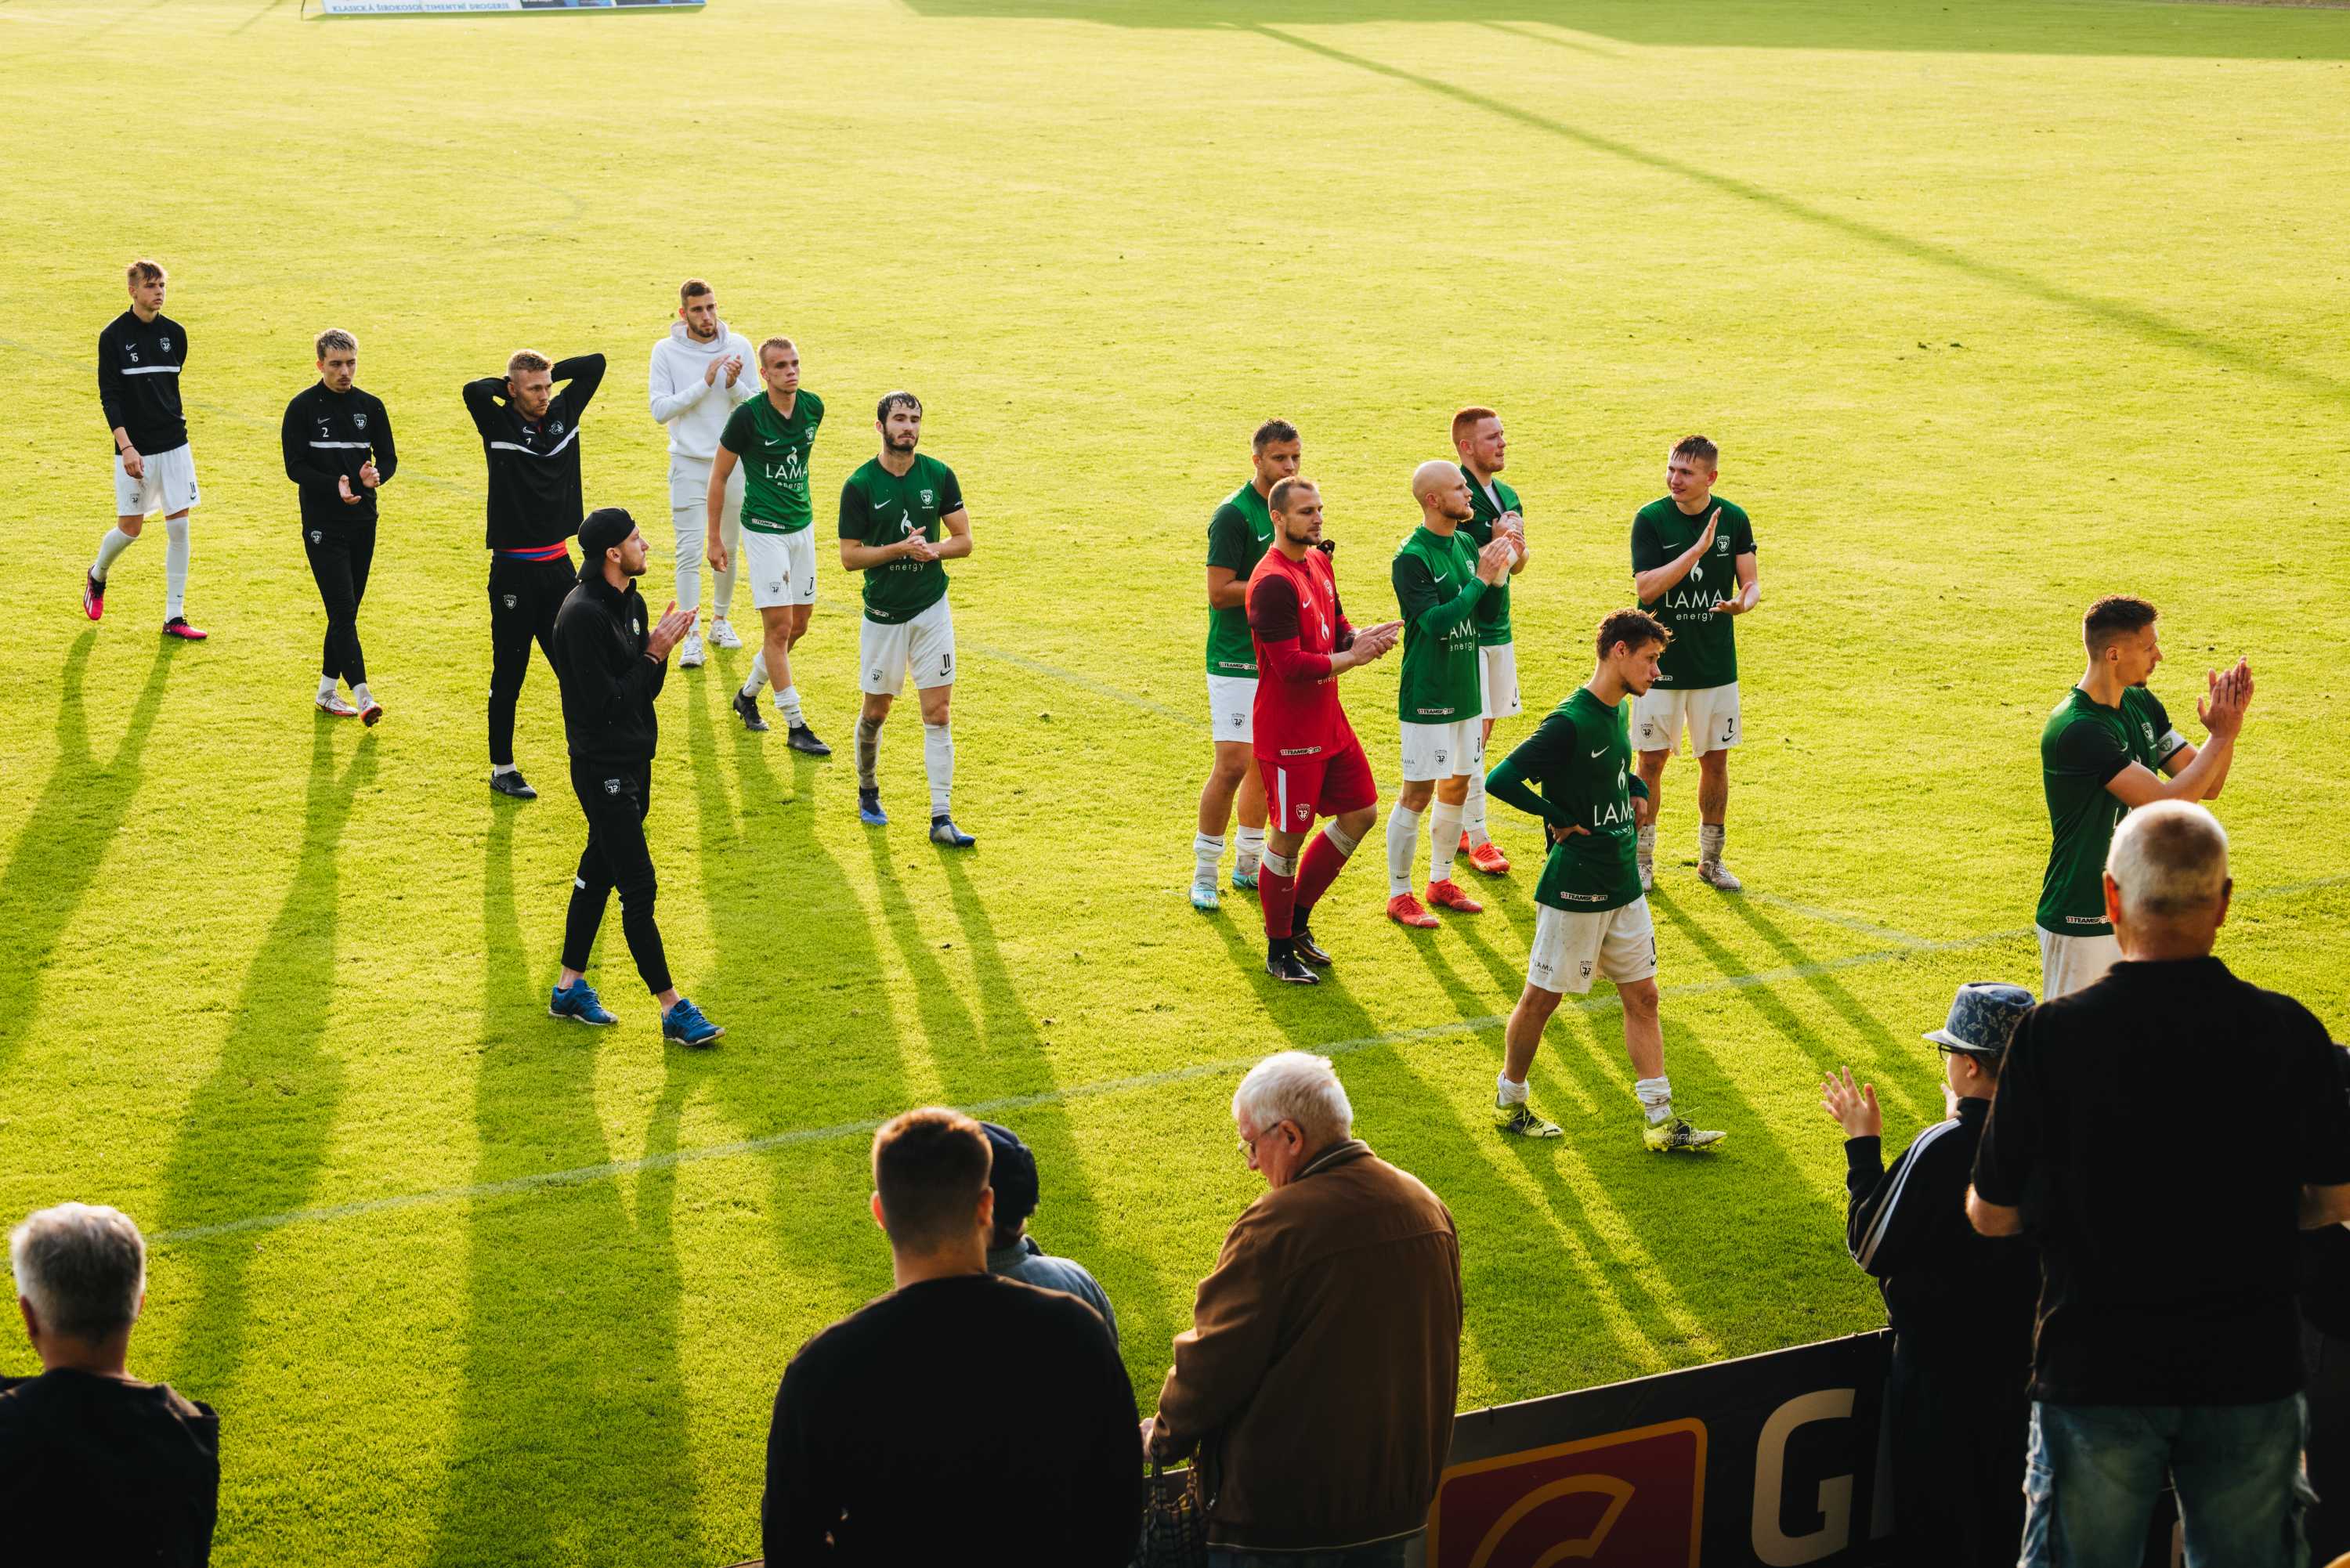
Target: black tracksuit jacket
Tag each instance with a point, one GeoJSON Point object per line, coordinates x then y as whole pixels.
{"type": "Point", "coordinates": [330, 436]}
{"type": "Point", "coordinates": [608, 684]}
{"type": "Point", "coordinates": [534, 494]}
{"type": "Point", "coordinates": [139, 382]}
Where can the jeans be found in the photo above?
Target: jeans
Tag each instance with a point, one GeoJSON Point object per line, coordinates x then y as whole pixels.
{"type": "Point", "coordinates": [2095, 1471]}
{"type": "Point", "coordinates": [1384, 1554]}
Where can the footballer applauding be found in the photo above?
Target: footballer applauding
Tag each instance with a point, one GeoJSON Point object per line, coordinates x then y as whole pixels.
{"type": "Point", "coordinates": [1305, 750]}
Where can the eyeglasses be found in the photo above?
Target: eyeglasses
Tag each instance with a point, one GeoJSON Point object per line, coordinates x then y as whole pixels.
{"type": "Point", "coordinates": [1247, 1145]}
{"type": "Point", "coordinates": [1944, 1050]}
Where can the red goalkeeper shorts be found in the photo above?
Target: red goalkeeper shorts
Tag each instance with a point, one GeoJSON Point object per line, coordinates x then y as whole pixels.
{"type": "Point", "coordinates": [1299, 789]}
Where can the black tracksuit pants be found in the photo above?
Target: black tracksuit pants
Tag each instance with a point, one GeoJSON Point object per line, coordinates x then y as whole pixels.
{"type": "Point", "coordinates": [340, 559]}
{"type": "Point", "coordinates": [1958, 1443]}
{"type": "Point", "coordinates": [523, 598]}
{"type": "Point", "coordinates": [615, 799]}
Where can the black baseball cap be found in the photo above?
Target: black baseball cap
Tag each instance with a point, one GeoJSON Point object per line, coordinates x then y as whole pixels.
{"type": "Point", "coordinates": [1013, 1175]}
{"type": "Point", "coordinates": [605, 527]}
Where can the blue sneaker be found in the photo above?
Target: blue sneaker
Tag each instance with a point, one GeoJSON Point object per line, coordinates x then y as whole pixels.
{"type": "Point", "coordinates": [869, 808]}
{"type": "Point", "coordinates": [578, 1002]}
{"type": "Point", "coordinates": [685, 1024]}
{"type": "Point", "coordinates": [1244, 880]}
{"type": "Point", "coordinates": [944, 831]}
{"type": "Point", "coordinates": [1203, 898]}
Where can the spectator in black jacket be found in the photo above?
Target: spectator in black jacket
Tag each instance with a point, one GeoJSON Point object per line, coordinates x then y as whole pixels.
{"type": "Point", "coordinates": [963, 1413]}
{"type": "Point", "coordinates": [337, 449]}
{"type": "Point", "coordinates": [96, 1467]}
{"type": "Point", "coordinates": [2325, 1348]}
{"type": "Point", "coordinates": [530, 438]}
{"type": "Point", "coordinates": [1961, 1303]}
{"type": "Point", "coordinates": [611, 665]}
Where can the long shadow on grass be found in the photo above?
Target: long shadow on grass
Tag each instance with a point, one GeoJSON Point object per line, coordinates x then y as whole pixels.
{"type": "Point", "coordinates": [1765, 1002]}
{"type": "Point", "coordinates": [571, 1444]}
{"type": "Point", "coordinates": [1010, 1058]}
{"type": "Point", "coordinates": [2142, 324]}
{"type": "Point", "coordinates": [255, 1131]}
{"type": "Point", "coordinates": [56, 855]}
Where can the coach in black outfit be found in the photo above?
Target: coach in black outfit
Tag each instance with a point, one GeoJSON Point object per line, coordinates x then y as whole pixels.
{"type": "Point", "coordinates": [611, 664]}
{"type": "Point", "coordinates": [2325, 1351]}
{"type": "Point", "coordinates": [530, 435]}
{"type": "Point", "coordinates": [1961, 1303]}
{"type": "Point", "coordinates": [337, 444]}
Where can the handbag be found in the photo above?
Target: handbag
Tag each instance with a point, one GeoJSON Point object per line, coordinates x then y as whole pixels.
{"type": "Point", "coordinates": [1174, 1522]}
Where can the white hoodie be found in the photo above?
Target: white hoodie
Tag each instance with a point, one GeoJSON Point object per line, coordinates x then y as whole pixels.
{"type": "Point", "coordinates": [694, 409]}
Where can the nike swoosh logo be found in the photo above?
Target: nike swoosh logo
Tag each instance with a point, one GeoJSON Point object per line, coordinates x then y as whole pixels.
{"type": "Point", "coordinates": [1600, 752]}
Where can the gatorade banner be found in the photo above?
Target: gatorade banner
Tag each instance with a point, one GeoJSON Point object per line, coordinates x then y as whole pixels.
{"type": "Point", "coordinates": [468, 8]}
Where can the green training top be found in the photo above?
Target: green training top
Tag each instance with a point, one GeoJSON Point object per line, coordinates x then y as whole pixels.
{"type": "Point", "coordinates": [878, 507]}
{"type": "Point", "coordinates": [1581, 759]}
{"type": "Point", "coordinates": [774, 452]}
{"type": "Point", "coordinates": [2084, 746]}
{"type": "Point", "coordinates": [1493, 609]}
{"type": "Point", "coordinates": [1438, 590]}
{"type": "Point", "coordinates": [1704, 649]}
{"type": "Point", "coordinates": [1238, 536]}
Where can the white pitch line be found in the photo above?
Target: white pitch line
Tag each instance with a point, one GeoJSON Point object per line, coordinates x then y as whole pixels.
{"type": "Point", "coordinates": [1830, 917]}
{"type": "Point", "coordinates": [588, 1173]}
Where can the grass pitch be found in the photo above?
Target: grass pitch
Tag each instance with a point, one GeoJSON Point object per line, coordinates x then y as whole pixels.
{"type": "Point", "coordinates": [1994, 307]}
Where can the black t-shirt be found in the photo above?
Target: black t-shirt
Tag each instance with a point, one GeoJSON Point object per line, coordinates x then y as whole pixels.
{"type": "Point", "coordinates": [103, 1469]}
{"type": "Point", "coordinates": [948, 1414]}
{"type": "Point", "coordinates": [2158, 1128]}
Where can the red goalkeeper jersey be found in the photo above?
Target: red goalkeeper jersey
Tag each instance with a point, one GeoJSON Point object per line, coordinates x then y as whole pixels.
{"type": "Point", "coordinates": [1297, 623]}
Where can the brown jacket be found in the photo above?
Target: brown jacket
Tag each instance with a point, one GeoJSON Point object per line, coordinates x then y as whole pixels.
{"type": "Point", "coordinates": [1319, 1378]}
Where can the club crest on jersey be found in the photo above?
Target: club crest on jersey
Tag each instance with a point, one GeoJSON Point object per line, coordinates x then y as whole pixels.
{"type": "Point", "coordinates": [2149, 732]}
{"type": "Point", "coordinates": [511, 601]}
{"type": "Point", "coordinates": [317, 536]}
{"type": "Point", "coordinates": [556, 429]}
{"type": "Point", "coordinates": [611, 786]}
{"type": "Point", "coordinates": [167, 344]}
{"type": "Point", "coordinates": [358, 422]}
{"type": "Point", "coordinates": [1304, 813]}
{"type": "Point", "coordinates": [928, 500]}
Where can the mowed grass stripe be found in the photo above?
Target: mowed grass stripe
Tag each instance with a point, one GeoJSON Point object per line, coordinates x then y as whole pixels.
{"type": "Point", "coordinates": [1009, 1105]}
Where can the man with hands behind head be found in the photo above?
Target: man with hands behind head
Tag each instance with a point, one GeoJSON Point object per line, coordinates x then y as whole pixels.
{"type": "Point", "coordinates": [611, 664]}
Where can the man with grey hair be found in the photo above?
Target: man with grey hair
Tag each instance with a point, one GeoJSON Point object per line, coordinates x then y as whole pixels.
{"type": "Point", "coordinates": [1346, 1263]}
{"type": "Point", "coordinates": [2168, 1342]}
{"type": "Point", "coordinates": [95, 1466]}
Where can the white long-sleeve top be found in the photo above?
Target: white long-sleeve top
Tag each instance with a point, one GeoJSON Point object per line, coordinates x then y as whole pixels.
{"type": "Point", "coordinates": [694, 409]}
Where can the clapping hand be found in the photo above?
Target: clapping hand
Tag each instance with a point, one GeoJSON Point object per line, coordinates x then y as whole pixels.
{"type": "Point", "coordinates": [1374, 642]}
{"type": "Point", "coordinates": [914, 547]}
{"type": "Point", "coordinates": [669, 631]}
{"type": "Point", "coordinates": [2221, 708]}
{"type": "Point", "coordinates": [734, 369]}
{"type": "Point", "coordinates": [368, 476]}
{"type": "Point", "coordinates": [1493, 560]}
{"type": "Point", "coordinates": [343, 488]}
{"type": "Point", "coordinates": [1852, 1105]}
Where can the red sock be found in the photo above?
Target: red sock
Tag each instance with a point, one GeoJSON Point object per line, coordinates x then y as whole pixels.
{"type": "Point", "coordinates": [1275, 890]}
{"type": "Point", "coordinates": [1316, 869]}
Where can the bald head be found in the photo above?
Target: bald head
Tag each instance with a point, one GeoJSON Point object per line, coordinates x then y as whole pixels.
{"type": "Point", "coordinates": [1442, 493]}
{"type": "Point", "coordinates": [2166, 879]}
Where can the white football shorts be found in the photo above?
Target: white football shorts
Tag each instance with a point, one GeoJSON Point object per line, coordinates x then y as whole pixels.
{"type": "Point", "coordinates": [1501, 673]}
{"type": "Point", "coordinates": [2068, 964]}
{"type": "Point", "coordinates": [1442, 751]}
{"type": "Point", "coordinates": [1572, 945]}
{"type": "Point", "coordinates": [1232, 707]}
{"type": "Point", "coordinates": [1710, 711]}
{"type": "Point", "coordinates": [886, 651]}
{"type": "Point", "coordinates": [168, 485]}
{"type": "Point", "coordinates": [781, 567]}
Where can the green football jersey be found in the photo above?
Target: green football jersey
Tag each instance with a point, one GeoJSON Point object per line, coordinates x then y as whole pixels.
{"type": "Point", "coordinates": [774, 452]}
{"type": "Point", "coordinates": [2083, 746]}
{"type": "Point", "coordinates": [1438, 590]}
{"type": "Point", "coordinates": [1704, 649]}
{"type": "Point", "coordinates": [1580, 758]}
{"type": "Point", "coordinates": [1238, 535]}
{"type": "Point", "coordinates": [1493, 609]}
{"type": "Point", "coordinates": [878, 507]}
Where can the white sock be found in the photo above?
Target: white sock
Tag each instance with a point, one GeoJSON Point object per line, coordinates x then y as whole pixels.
{"type": "Point", "coordinates": [1207, 850]}
{"type": "Point", "coordinates": [1709, 843]}
{"type": "Point", "coordinates": [326, 687]}
{"type": "Point", "coordinates": [1274, 866]}
{"type": "Point", "coordinates": [1644, 842]}
{"type": "Point", "coordinates": [1337, 835]}
{"type": "Point", "coordinates": [758, 676]}
{"type": "Point", "coordinates": [1473, 810]}
{"type": "Point", "coordinates": [498, 768]}
{"type": "Point", "coordinates": [787, 703]}
{"type": "Point", "coordinates": [1443, 841]}
{"type": "Point", "coordinates": [360, 695]}
{"type": "Point", "coordinates": [113, 545]}
{"type": "Point", "coordinates": [1655, 1097]}
{"type": "Point", "coordinates": [176, 567]}
{"type": "Point", "coordinates": [1250, 842]}
{"type": "Point", "coordinates": [938, 760]}
{"type": "Point", "coordinates": [1507, 1093]}
{"type": "Point", "coordinates": [1403, 844]}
